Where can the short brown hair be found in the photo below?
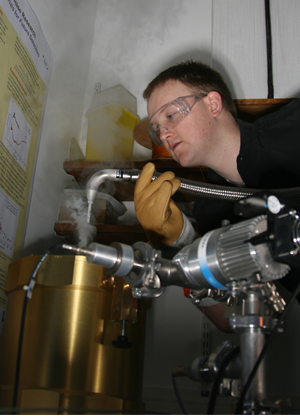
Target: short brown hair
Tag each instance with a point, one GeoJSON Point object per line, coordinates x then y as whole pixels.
{"type": "Point", "coordinates": [197, 75]}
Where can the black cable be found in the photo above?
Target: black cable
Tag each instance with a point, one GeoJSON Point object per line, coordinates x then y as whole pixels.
{"type": "Point", "coordinates": [22, 325]}
{"type": "Point", "coordinates": [215, 389]}
{"type": "Point", "coordinates": [269, 49]}
{"type": "Point", "coordinates": [239, 407]}
{"type": "Point", "coordinates": [176, 391]}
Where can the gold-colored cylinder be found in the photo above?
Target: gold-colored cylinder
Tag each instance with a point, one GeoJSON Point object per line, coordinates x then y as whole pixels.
{"type": "Point", "coordinates": [67, 356]}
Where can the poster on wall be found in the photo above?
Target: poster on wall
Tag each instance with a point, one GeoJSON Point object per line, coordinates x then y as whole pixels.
{"type": "Point", "coordinates": [25, 70]}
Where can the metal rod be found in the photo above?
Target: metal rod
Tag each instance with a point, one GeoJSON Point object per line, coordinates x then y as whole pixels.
{"type": "Point", "coordinates": [269, 49]}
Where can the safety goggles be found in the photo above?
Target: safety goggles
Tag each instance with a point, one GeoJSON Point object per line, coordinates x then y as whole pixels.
{"type": "Point", "coordinates": [170, 115]}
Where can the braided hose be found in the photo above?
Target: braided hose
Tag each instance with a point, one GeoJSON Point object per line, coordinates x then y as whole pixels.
{"type": "Point", "coordinates": [187, 186]}
{"type": "Point", "coordinates": [209, 190]}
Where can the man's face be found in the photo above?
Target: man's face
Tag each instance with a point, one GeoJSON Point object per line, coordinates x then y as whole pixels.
{"type": "Point", "coordinates": [189, 142]}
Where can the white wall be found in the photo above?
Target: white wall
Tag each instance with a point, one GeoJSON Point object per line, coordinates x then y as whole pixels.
{"type": "Point", "coordinates": [239, 46]}
{"type": "Point", "coordinates": [69, 29]}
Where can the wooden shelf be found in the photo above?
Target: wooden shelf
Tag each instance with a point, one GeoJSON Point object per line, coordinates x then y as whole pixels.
{"type": "Point", "coordinates": [252, 109]}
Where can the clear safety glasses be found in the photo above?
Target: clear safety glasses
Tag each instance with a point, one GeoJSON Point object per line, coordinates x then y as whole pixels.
{"type": "Point", "coordinates": [170, 115]}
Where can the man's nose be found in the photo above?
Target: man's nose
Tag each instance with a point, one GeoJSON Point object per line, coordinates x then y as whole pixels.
{"type": "Point", "coordinates": [165, 133]}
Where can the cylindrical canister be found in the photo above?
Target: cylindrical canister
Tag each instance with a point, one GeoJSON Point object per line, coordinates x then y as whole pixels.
{"type": "Point", "coordinates": [68, 357]}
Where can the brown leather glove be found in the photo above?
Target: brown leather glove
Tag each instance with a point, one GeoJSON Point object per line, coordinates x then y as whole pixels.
{"type": "Point", "coordinates": [157, 213]}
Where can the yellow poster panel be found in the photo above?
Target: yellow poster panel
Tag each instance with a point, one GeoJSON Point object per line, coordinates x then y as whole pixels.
{"type": "Point", "coordinates": [22, 92]}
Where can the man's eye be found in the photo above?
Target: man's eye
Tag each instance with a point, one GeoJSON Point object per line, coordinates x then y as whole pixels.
{"type": "Point", "coordinates": [170, 116]}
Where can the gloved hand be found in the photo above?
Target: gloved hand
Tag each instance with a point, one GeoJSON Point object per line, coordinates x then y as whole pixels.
{"type": "Point", "coordinates": [160, 217]}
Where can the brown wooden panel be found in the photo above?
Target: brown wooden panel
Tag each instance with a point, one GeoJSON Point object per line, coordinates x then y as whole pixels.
{"type": "Point", "coordinates": [252, 109]}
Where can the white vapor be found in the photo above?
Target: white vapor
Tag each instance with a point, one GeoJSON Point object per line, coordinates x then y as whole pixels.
{"type": "Point", "coordinates": [77, 206]}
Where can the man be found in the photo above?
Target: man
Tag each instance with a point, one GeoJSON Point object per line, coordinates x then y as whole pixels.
{"type": "Point", "coordinates": [191, 112]}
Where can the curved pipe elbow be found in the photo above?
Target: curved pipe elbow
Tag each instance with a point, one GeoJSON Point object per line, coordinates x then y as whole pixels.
{"type": "Point", "coordinates": [96, 180]}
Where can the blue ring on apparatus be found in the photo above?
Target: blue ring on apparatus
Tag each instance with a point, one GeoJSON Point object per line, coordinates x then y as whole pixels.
{"type": "Point", "coordinates": [209, 276]}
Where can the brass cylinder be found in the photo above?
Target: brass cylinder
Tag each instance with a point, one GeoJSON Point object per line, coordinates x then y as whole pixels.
{"type": "Point", "coordinates": [68, 359]}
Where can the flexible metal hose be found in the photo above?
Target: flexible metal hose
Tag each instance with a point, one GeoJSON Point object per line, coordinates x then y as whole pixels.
{"type": "Point", "coordinates": [209, 190]}
{"type": "Point", "coordinates": [187, 186]}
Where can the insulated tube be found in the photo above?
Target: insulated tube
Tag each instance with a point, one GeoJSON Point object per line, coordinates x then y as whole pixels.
{"type": "Point", "coordinates": [208, 190]}
{"type": "Point", "coordinates": [187, 187]}
{"type": "Point", "coordinates": [93, 184]}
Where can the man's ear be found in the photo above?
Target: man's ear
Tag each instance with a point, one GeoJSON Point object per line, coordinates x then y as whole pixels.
{"type": "Point", "coordinates": [215, 103]}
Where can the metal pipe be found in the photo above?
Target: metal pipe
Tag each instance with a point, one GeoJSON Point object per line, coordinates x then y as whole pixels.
{"type": "Point", "coordinates": [93, 184]}
{"type": "Point", "coordinates": [193, 187]}
{"type": "Point", "coordinates": [187, 187]}
{"type": "Point", "coordinates": [253, 327]}
{"type": "Point", "coordinates": [252, 343]}
{"type": "Point", "coordinates": [206, 189]}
